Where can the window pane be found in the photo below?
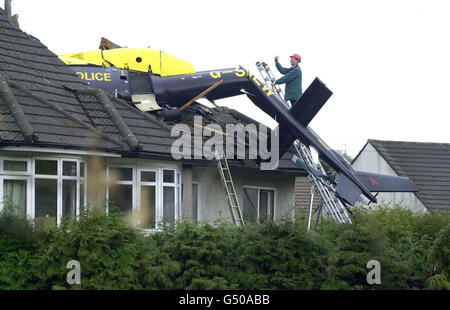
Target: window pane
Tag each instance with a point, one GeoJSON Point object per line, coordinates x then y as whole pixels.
{"type": "Point", "coordinates": [14, 165]}
{"type": "Point", "coordinates": [169, 204]}
{"type": "Point", "coordinates": [250, 204]}
{"type": "Point", "coordinates": [45, 202]}
{"type": "Point", "coordinates": [82, 169]}
{"type": "Point", "coordinates": [69, 198]}
{"type": "Point", "coordinates": [148, 203]}
{"type": "Point", "coordinates": [168, 176]}
{"type": "Point", "coordinates": [121, 174]}
{"type": "Point", "coordinates": [148, 176]}
{"type": "Point", "coordinates": [70, 168]}
{"type": "Point", "coordinates": [195, 202]}
{"type": "Point", "coordinates": [81, 195]}
{"type": "Point", "coordinates": [15, 192]}
{"type": "Point", "coordinates": [49, 167]}
{"type": "Point", "coordinates": [263, 205]}
{"type": "Point", "coordinates": [272, 204]}
{"type": "Point", "coordinates": [120, 197]}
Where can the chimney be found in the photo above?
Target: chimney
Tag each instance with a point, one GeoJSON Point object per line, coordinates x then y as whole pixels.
{"type": "Point", "coordinates": [8, 8]}
{"type": "Point", "coordinates": [14, 20]}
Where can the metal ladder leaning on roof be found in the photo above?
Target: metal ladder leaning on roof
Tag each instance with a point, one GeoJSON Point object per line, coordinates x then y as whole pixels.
{"type": "Point", "coordinates": [330, 203]}
{"type": "Point", "coordinates": [230, 192]}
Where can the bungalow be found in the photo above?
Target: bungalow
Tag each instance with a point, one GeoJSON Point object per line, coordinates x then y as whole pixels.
{"type": "Point", "coordinates": [427, 164]}
{"type": "Point", "coordinates": [64, 145]}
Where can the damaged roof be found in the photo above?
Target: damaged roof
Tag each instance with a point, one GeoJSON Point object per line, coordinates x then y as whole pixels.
{"type": "Point", "coordinates": [427, 164]}
{"type": "Point", "coordinates": [39, 104]}
{"type": "Point", "coordinates": [44, 103]}
{"type": "Point", "coordinates": [222, 116]}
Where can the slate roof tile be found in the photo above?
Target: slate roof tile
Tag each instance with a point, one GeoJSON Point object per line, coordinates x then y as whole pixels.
{"type": "Point", "coordinates": [428, 164]}
{"type": "Point", "coordinates": [39, 73]}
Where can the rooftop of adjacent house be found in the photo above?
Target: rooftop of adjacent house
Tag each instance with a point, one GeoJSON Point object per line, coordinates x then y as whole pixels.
{"type": "Point", "coordinates": [44, 103]}
{"type": "Point", "coordinates": [427, 164]}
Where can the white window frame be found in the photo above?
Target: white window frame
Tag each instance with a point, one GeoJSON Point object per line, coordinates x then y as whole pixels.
{"type": "Point", "coordinates": [133, 184]}
{"type": "Point", "coordinates": [9, 172]}
{"type": "Point", "coordinates": [259, 188]}
{"type": "Point", "coordinates": [30, 176]}
{"type": "Point", "coordinates": [159, 188]}
{"type": "Point", "coordinates": [141, 183]}
{"type": "Point", "coordinates": [176, 189]}
{"type": "Point", "coordinates": [28, 191]}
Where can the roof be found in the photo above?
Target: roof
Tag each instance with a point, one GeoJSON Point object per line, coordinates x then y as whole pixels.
{"type": "Point", "coordinates": [427, 164]}
{"type": "Point", "coordinates": [223, 116]}
{"type": "Point", "coordinates": [37, 95]}
{"type": "Point", "coordinates": [44, 103]}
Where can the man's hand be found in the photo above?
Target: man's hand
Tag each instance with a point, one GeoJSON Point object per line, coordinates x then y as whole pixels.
{"type": "Point", "coordinates": [273, 84]}
{"type": "Point", "coordinates": [276, 58]}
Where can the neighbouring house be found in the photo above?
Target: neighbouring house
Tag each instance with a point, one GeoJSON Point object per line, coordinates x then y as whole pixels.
{"type": "Point", "coordinates": [427, 164]}
{"type": "Point", "coordinates": [64, 145]}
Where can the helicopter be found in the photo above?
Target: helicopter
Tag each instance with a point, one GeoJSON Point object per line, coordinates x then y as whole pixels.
{"type": "Point", "coordinates": [153, 80]}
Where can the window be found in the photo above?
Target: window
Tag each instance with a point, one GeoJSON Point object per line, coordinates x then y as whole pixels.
{"type": "Point", "coordinates": [46, 167]}
{"type": "Point", "coordinates": [120, 189]}
{"type": "Point", "coordinates": [45, 189]}
{"type": "Point", "coordinates": [46, 201]}
{"type": "Point", "coordinates": [15, 194]}
{"type": "Point", "coordinates": [259, 204]}
{"type": "Point", "coordinates": [15, 165]}
{"type": "Point", "coordinates": [195, 201]}
{"type": "Point", "coordinates": [151, 195]}
{"type": "Point", "coordinates": [147, 206]}
{"type": "Point", "coordinates": [169, 188]}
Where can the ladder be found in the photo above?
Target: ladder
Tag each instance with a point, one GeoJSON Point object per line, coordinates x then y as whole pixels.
{"type": "Point", "coordinates": [230, 192]}
{"type": "Point", "coordinates": [333, 207]}
{"type": "Point", "coordinates": [269, 78]}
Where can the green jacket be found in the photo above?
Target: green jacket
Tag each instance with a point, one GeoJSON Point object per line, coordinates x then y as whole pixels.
{"type": "Point", "coordinates": [293, 79]}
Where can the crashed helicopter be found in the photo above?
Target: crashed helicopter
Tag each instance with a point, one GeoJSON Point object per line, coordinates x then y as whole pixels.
{"type": "Point", "coordinates": [156, 81]}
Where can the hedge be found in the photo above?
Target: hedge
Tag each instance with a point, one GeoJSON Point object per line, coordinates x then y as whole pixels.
{"type": "Point", "coordinates": [413, 250]}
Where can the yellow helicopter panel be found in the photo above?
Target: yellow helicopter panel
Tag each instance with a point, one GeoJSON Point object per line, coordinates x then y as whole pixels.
{"type": "Point", "coordinates": [138, 59]}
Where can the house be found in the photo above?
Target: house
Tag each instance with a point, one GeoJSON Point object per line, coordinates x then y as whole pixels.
{"type": "Point", "coordinates": [64, 145]}
{"type": "Point", "coordinates": [427, 164]}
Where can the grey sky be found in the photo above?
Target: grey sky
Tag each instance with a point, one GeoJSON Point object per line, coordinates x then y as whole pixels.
{"type": "Point", "coordinates": [387, 62]}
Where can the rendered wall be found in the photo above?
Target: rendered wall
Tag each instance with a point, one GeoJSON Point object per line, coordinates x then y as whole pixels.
{"type": "Point", "coordinates": [370, 160]}
{"type": "Point", "coordinates": [213, 204]}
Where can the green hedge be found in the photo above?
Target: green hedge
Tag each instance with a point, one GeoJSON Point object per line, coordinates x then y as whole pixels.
{"type": "Point", "coordinates": [413, 250]}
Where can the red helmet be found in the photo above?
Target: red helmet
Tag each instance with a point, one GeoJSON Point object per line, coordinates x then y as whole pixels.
{"type": "Point", "coordinates": [297, 56]}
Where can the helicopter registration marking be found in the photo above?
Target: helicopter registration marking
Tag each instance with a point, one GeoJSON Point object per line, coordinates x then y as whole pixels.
{"type": "Point", "coordinates": [98, 76]}
{"type": "Point", "coordinates": [242, 73]}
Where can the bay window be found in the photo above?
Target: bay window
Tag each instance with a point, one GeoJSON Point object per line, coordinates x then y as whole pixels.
{"type": "Point", "coordinates": [152, 195]}
{"type": "Point", "coordinates": [46, 190]}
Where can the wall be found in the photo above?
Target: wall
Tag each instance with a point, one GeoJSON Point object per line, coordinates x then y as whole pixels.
{"type": "Point", "coordinates": [213, 203]}
{"type": "Point", "coordinates": [303, 196]}
{"type": "Point", "coordinates": [371, 161]}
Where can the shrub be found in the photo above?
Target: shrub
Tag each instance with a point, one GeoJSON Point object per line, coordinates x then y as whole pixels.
{"type": "Point", "coordinates": [413, 250]}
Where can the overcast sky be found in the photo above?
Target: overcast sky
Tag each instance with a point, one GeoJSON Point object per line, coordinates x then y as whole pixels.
{"type": "Point", "coordinates": [387, 62]}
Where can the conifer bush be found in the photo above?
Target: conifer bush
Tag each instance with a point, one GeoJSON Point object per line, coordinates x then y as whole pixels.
{"type": "Point", "coordinates": [413, 251]}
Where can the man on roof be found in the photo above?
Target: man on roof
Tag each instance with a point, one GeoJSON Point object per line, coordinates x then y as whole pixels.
{"type": "Point", "coordinates": [292, 77]}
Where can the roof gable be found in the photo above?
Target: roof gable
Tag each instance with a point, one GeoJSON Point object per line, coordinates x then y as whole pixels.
{"type": "Point", "coordinates": [428, 164]}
